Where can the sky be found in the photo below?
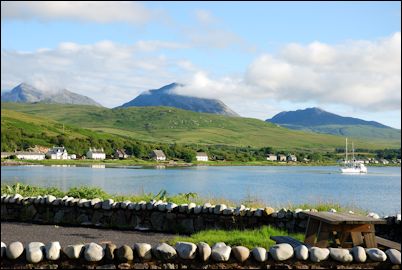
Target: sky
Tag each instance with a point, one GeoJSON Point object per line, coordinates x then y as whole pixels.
{"type": "Point", "coordinates": [259, 58]}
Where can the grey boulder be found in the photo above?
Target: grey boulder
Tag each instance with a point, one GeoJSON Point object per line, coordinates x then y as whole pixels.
{"type": "Point", "coordinates": [52, 251]}
{"type": "Point", "coordinates": [394, 256]}
{"type": "Point", "coordinates": [241, 253]}
{"type": "Point", "coordinates": [359, 254]}
{"type": "Point", "coordinates": [318, 254]}
{"type": "Point", "coordinates": [301, 252]}
{"type": "Point", "coordinates": [93, 252]}
{"type": "Point", "coordinates": [260, 254]}
{"type": "Point", "coordinates": [281, 252]}
{"type": "Point", "coordinates": [340, 255]}
{"type": "Point", "coordinates": [143, 250]}
{"type": "Point", "coordinates": [14, 250]}
{"type": "Point", "coordinates": [164, 252]}
{"type": "Point", "coordinates": [376, 254]}
{"type": "Point", "coordinates": [204, 250]}
{"type": "Point", "coordinates": [34, 252]}
{"type": "Point", "coordinates": [73, 251]}
{"type": "Point", "coordinates": [186, 250]}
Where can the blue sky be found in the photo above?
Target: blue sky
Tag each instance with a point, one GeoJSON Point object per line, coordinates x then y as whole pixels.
{"type": "Point", "coordinates": [260, 58]}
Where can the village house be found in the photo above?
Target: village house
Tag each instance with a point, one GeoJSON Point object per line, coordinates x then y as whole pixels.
{"type": "Point", "coordinates": [201, 156]}
{"type": "Point", "coordinates": [120, 153]}
{"type": "Point", "coordinates": [272, 157]}
{"type": "Point", "coordinates": [94, 153]}
{"type": "Point", "coordinates": [30, 155]}
{"type": "Point", "coordinates": [291, 158]}
{"type": "Point", "coordinates": [7, 154]}
{"type": "Point", "coordinates": [281, 157]}
{"type": "Point", "coordinates": [384, 161]}
{"type": "Point", "coordinates": [158, 155]}
{"type": "Point", "coordinates": [57, 153]}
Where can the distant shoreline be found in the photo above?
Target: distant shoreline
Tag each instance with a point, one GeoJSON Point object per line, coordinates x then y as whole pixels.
{"type": "Point", "coordinates": [119, 163]}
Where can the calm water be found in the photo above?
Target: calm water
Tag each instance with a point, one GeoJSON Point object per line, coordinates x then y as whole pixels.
{"type": "Point", "coordinates": [378, 191]}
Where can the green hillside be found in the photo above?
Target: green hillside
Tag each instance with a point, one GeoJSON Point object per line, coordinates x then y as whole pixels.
{"type": "Point", "coordinates": [169, 125]}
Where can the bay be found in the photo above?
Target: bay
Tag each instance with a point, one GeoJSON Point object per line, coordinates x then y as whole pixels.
{"type": "Point", "coordinates": [379, 190]}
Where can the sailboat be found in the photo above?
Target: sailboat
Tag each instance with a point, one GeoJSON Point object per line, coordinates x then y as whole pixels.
{"type": "Point", "coordinates": [351, 166]}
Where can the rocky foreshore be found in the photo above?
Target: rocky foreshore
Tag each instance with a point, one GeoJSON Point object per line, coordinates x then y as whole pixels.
{"type": "Point", "coordinates": [185, 255]}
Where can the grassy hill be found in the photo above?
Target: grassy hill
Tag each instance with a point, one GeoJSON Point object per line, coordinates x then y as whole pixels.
{"type": "Point", "coordinates": [169, 125]}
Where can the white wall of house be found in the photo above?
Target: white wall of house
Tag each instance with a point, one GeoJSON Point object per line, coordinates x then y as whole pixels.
{"type": "Point", "coordinates": [272, 157]}
{"type": "Point", "coordinates": [93, 155]}
{"type": "Point", "coordinates": [202, 158]}
{"type": "Point", "coordinates": [31, 157]}
{"type": "Point", "coordinates": [159, 158]}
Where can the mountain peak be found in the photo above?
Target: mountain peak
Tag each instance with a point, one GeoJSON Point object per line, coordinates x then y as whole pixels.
{"type": "Point", "coordinates": [26, 93]}
{"type": "Point", "coordinates": [165, 96]}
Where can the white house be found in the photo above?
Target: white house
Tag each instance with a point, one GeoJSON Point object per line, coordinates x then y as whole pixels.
{"type": "Point", "coordinates": [72, 156]}
{"type": "Point", "coordinates": [292, 158]}
{"type": "Point", "coordinates": [201, 156]}
{"type": "Point", "coordinates": [158, 155]}
{"type": "Point", "coordinates": [282, 157]}
{"type": "Point", "coordinates": [272, 157]}
{"type": "Point", "coordinates": [57, 153]}
{"type": "Point", "coordinates": [94, 153]}
{"type": "Point", "coordinates": [30, 155]}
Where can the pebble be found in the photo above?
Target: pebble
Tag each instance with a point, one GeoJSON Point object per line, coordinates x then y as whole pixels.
{"type": "Point", "coordinates": [143, 250]}
{"type": "Point", "coordinates": [394, 256]}
{"type": "Point", "coordinates": [318, 254]}
{"type": "Point", "coordinates": [93, 252]}
{"type": "Point", "coordinates": [220, 252]}
{"type": "Point", "coordinates": [359, 254]}
{"type": "Point", "coordinates": [340, 255]}
{"type": "Point", "coordinates": [164, 251]}
{"type": "Point", "coordinates": [14, 250]}
{"type": "Point", "coordinates": [3, 249]}
{"type": "Point", "coordinates": [34, 253]}
{"type": "Point", "coordinates": [109, 251]}
{"type": "Point", "coordinates": [186, 250]}
{"type": "Point", "coordinates": [301, 252]}
{"type": "Point", "coordinates": [124, 254]}
{"type": "Point", "coordinates": [260, 254]}
{"type": "Point", "coordinates": [241, 253]}
{"type": "Point", "coordinates": [281, 252]}
{"type": "Point", "coordinates": [73, 251]}
{"type": "Point", "coordinates": [376, 254]}
{"type": "Point", "coordinates": [204, 250]}
{"type": "Point", "coordinates": [52, 250]}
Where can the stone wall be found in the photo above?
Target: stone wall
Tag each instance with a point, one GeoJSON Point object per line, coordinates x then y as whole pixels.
{"type": "Point", "coordinates": [159, 216]}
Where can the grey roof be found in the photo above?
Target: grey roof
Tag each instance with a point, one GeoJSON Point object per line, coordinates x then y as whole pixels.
{"type": "Point", "coordinates": [96, 151]}
{"type": "Point", "coordinates": [158, 153]}
{"type": "Point", "coordinates": [57, 149]}
{"type": "Point", "coordinates": [29, 153]}
{"type": "Point", "coordinates": [202, 154]}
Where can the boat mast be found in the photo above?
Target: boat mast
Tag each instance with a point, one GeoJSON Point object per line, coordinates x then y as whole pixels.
{"type": "Point", "coordinates": [346, 151]}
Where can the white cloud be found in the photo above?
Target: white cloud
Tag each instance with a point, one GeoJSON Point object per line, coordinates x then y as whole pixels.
{"type": "Point", "coordinates": [108, 72]}
{"type": "Point", "coordinates": [92, 11]}
{"type": "Point", "coordinates": [361, 74]}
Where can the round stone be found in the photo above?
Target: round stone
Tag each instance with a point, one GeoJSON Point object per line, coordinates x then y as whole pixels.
{"type": "Point", "coordinates": [204, 250]}
{"type": "Point", "coordinates": [220, 253]}
{"type": "Point", "coordinates": [73, 251]}
{"type": "Point", "coordinates": [52, 250]}
{"type": "Point", "coordinates": [186, 250]}
{"type": "Point", "coordinates": [394, 256]}
{"type": "Point", "coordinates": [359, 254]}
{"type": "Point", "coordinates": [93, 252]}
{"type": "Point", "coordinates": [241, 253]}
{"type": "Point", "coordinates": [376, 254]}
{"type": "Point", "coordinates": [34, 252]}
{"type": "Point", "coordinates": [301, 252]}
{"type": "Point", "coordinates": [319, 254]}
{"type": "Point", "coordinates": [219, 208]}
{"type": "Point", "coordinates": [109, 251]}
{"type": "Point", "coordinates": [143, 250]}
{"type": "Point", "coordinates": [3, 249]}
{"type": "Point", "coordinates": [340, 255]}
{"type": "Point", "coordinates": [124, 254]}
{"type": "Point", "coordinates": [281, 252]}
{"type": "Point", "coordinates": [260, 254]}
{"type": "Point", "coordinates": [164, 251]}
{"type": "Point", "coordinates": [14, 250]}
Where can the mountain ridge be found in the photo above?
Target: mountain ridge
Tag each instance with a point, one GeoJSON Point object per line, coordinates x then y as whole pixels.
{"type": "Point", "coordinates": [318, 120]}
{"type": "Point", "coordinates": [25, 93]}
{"type": "Point", "coordinates": [165, 96]}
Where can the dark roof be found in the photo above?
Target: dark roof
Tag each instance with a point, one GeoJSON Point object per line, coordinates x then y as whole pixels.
{"type": "Point", "coordinates": [202, 154]}
{"type": "Point", "coordinates": [158, 153]}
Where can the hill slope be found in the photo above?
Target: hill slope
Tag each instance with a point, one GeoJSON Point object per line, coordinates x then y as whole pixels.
{"type": "Point", "coordinates": [318, 120]}
{"type": "Point", "coordinates": [165, 97]}
{"type": "Point", "coordinates": [25, 93]}
{"type": "Point", "coordinates": [171, 125]}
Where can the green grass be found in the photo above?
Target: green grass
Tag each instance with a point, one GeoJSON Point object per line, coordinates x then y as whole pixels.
{"type": "Point", "coordinates": [171, 125]}
{"type": "Point", "coordinates": [248, 238]}
{"type": "Point", "coordinates": [89, 192]}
